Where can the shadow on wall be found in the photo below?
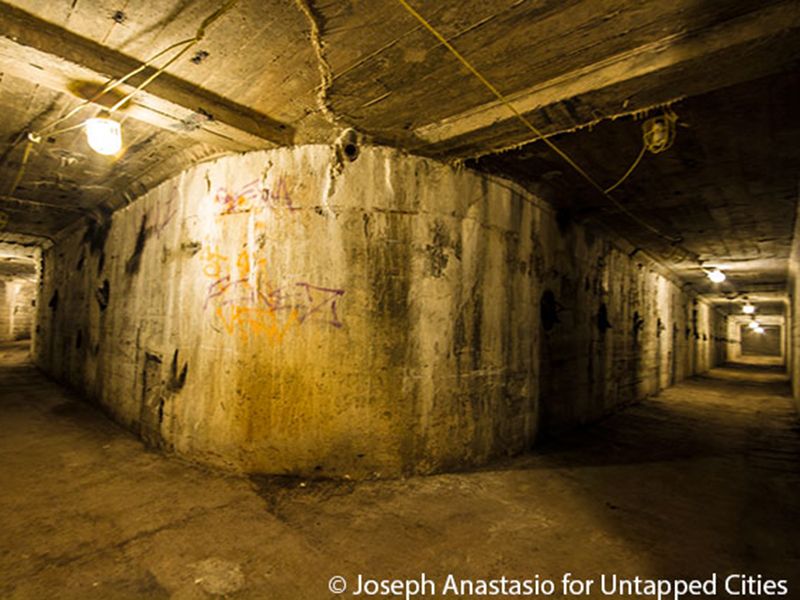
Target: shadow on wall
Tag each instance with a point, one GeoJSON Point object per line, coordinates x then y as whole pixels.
{"type": "Point", "coordinates": [614, 330]}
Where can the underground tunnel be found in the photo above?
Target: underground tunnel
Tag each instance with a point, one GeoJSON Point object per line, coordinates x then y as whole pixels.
{"type": "Point", "coordinates": [307, 300]}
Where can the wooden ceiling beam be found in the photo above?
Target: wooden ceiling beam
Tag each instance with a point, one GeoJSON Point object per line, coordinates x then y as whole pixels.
{"type": "Point", "coordinates": [688, 63]}
{"type": "Point", "coordinates": [61, 60]}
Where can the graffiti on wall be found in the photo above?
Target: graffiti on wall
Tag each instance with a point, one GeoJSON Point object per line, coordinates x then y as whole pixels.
{"type": "Point", "coordinates": [244, 301]}
{"type": "Point", "coordinates": [255, 196]}
{"type": "Point", "coordinates": [161, 215]}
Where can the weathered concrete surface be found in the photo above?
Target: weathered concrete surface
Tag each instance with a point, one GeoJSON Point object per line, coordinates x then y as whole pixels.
{"type": "Point", "coordinates": [659, 489]}
{"type": "Point", "coordinates": [18, 289]}
{"type": "Point", "coordinates": [793, 311]}
{"type": "Point", "coordinates": [17, 298]}
{"type": "Point", "coordinates": [292, 311]}
{"type": "Point", "coordinates": [739, 333]}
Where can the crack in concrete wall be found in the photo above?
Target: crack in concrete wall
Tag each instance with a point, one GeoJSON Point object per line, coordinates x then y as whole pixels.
{"type": "Point", "coordinates": [325, 71]}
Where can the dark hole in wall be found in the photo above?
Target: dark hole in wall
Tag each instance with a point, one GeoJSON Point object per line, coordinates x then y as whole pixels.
{"type": "Point", "coordinates": [638, 324]}
{"type": "Point", "coordinates": [351, 151]}
{"type": "Point", "coordinates": [96, 234]}
{"type": "Point", "coordinates": [177, 380]}
{"type": "Point", "coordinates": [436, 251]}
{"type": "Point", "coordinates": [135, 260]}
{"type": "Point", "coordinates": [101, 262]}
{"type": "Point", "coordinates": [199, 56]}
{"type": "Point", "coordinates": [603, 324]}
{"type": "Point", "coordinates": [151, 412]}
{"type": "Point", "coordinates": [660, 327]}
{"type": "Point", "coordinates": [192, 248]}
{"type": "Point", "coordinates": [563, 219]}
{"type": "Point", "coordinates": [53, 304]}
{"type": "Point", "coordinates": [548, 310]}
{"type": "Point", "coordinates": [103, 294]}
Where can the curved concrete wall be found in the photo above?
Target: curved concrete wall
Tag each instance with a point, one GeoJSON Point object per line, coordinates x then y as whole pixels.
{"type": "Point", "coordinates": [291, 312]}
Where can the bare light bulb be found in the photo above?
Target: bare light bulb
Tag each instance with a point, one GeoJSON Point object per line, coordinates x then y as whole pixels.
{"type": "Point", "coordinates": [104, 135]}
{"type": "Point", "coordinates": [748, 309]}
{"type": "Point", "coordinates": [759, 330]}
{"type": "Point", "coordinates": [716, 276]}
{"type": "Point", "coordinates": [754, 325]}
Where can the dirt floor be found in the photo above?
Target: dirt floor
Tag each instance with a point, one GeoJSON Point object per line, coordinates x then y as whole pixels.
{"type": "Point", "coordinates": [703, 479]}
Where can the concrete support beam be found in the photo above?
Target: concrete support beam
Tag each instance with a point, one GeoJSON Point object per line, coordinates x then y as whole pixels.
{"type": "Point", "coordinates": [685, 64]}
{"type": "Point", "coordinates": [63, 61]}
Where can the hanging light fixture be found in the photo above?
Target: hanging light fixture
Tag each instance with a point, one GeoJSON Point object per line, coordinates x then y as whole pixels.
{"type": "Point", "coordinates": [754, 325]}
{"type": "Point", "coordinates": [716, 276]}
{"type": "Point", "coordinates": [759, 329]}
{"type": "Point", "coordinates": [748, 309]}
{"type": "Point", "coordinates": [104, 135]}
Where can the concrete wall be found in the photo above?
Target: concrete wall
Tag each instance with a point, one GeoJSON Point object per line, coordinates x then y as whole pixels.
{"type": "Point", "coordinates": [793, 325]}
{"type": "Point", "coordinates": [17, 300]}
{"type": "Point", "coordinates": [649, 336]}
{"type": "Point", "coordinates": [293, 312]}
{"type": "Point", "coordinates": [768, 343]}
{"type": "Point", "coordinates": [793, 310]}
{"type": "Point", "coordinates": [736, 323]}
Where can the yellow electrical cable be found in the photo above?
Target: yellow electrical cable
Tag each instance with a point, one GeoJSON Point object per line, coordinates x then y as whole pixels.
{"type": "Point", "coordinates": [629, 171]}
{"type": "Point", "coordinates": [658, 134]}
{"type": "Point", "coordinates": [111, 84]}
{"type": "Point", "coordinates": [147, 81]}
{"type": "Point", "coordinates": [199, 35]}
{"type": "Point", "coordinates": [21, 171]}
{"type": "Point", "coordinates": [530, 125]}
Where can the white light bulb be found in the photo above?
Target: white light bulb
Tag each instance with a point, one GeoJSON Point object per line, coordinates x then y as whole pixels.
{"type": "Point", "coordinates": [754, 325]}
{"type": "Point", "coordinates": [759, 330]}
{"type": "Point", "coordinates": [748, 309]}
{"type": "Point", "coordinates": [104, 135]}
{"type": "Point", "coordinates": [716, 276]}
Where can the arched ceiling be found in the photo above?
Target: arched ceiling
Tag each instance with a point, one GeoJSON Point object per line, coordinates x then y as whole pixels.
{"type": "Point", "coordinates": [272, 72]}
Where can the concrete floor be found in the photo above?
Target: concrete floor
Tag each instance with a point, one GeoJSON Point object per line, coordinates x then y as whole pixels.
{"type": "Point", "coordinates": [702, 479]}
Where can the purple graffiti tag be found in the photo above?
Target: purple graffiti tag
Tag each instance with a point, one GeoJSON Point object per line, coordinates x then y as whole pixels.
{"type": "Point", "coordinates": [319, 298]}
{"type": "Point", "coordinates": [164, 214]}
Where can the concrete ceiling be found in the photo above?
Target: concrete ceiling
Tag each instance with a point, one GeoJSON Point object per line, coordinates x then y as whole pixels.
{"type": "Point", "coordinates": [272, 72]}
{"type": "Point", "coordinates": [728, 187]}
{"type": "Point", "coordinates": [18, 261]}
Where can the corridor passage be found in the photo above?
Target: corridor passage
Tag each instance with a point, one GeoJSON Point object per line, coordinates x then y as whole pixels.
{"type": "Point", "coordinates": [704, 478]}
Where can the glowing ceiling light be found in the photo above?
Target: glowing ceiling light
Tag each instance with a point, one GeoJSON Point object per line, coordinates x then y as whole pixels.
{"type": "Point", "coordinates": [759, 330]}
{"type": "Point", "coordinates": [748, 309]}
{"type": "Point", "coordinates": [754, 325]}
{"type": "Point", "coordinates": [104, 135]}
{"type": "Point", "coordinates": [716, 276]}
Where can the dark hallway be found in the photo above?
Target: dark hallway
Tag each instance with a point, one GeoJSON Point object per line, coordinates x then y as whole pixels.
{"type": "Point", "coordinates": [703, 479]}
{"type": "Point", "coordinates": [312, 299]}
